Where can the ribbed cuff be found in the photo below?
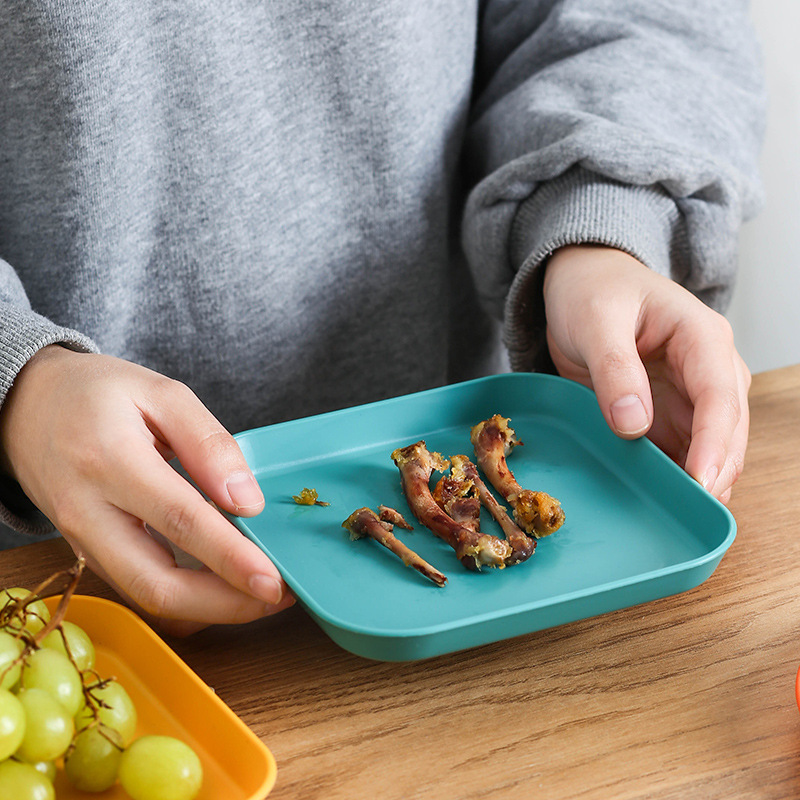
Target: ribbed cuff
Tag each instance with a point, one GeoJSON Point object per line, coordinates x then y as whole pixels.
{"type": "Point", "coordinates": [581, 207]}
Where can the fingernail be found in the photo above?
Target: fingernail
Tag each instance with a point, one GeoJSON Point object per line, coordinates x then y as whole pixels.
{"type": "Point", "coordinates": [629, 416]}
{"type": "Point", "coordinates": [266, 588]}
{"type": "Point", "coordinates": [244, 491]}
{"type": "Point", "coordinates": [710, 478]}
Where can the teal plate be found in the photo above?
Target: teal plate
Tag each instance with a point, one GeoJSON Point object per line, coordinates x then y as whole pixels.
{"type": "Point", "coordinates": [637, 527]}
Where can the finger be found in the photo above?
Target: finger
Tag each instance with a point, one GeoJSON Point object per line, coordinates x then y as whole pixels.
{"type": "Point", "coordinates": [171, 627]}
{"type": "Point", "coordinates": [720, 422]}
{"type": "Point", "coordinates": [734, 463]}
{"type": "Point", "coordinates": [208, 452]}
{"type": "Point", "coordinates": [158, 495]}
{"type": "Point", "coordinates": [144, 573]}
{"type": "Point", "coordinates": [619, 378]}
{"type": "Point", "coordinates": [736, 452]}
{"type": "Point", "coordinates": [716, 454]}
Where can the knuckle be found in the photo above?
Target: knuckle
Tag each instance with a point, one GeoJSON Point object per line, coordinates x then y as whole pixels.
{"type": "Point", "coordinates": [747, 376]}
{"type": "Point", "coordinates": [177, 521]}
{"type": "Point", "coordinates": [615, 358]}
{"type": "Point", "coordinates": [702, 324]}
{"type": "Point", "coordinates": [156, 596]}
{"type": "Point", "coordinates": [727, 415]}
{"type": "Point", "coordinates": [594, 307]}
{"type": "Point", "coordinates": [720, 326]}
{"type": "Point", "coordinates": [67, 512]}
{"type": "Point", "coordinates": [618, 363]}
{"type": "Point", "coordinates": [217, 445]}
{"type": "Point", "coordinates": [737, 467]}
{"type": "Point", "coordinates": [225, 566]}
{"type": "Point", "coordinates": [730, 404]}
{"type": "Point", "coordinates": [169, 389]}
{"type": "Point", "coordinates": [91, 459]}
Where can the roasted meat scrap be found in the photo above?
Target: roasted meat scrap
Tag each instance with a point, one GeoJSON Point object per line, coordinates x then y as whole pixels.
{"type": "Point", "coordinates": [456, 494]}
{"type": "Point", "coordinates": [473, 548]}
{"type": "Point", "coordinates": [536, 513]}
{"type": "Point", "coordinates": [365, 522]}
{"type": "Point", "coordinates": [394, 517]}
{"type": "Point", "coordinates": [463, 471]}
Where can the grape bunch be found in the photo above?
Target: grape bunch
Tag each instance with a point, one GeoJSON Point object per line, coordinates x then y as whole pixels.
{"type": "Point", "coordinates": [57, 713]}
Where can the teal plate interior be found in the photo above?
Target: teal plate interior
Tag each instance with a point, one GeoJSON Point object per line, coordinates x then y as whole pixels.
{"type": "Point", "coordinates": [637, 527]}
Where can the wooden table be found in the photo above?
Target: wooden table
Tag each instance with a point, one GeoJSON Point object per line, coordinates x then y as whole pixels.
{"type": "Point", "coordinates": [688, 697]}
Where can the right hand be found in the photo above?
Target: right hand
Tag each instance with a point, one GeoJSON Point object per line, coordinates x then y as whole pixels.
{"type": "Point", "coordinates": [660, 361]}
{"type": "Point", "coordinates": [88, 437]}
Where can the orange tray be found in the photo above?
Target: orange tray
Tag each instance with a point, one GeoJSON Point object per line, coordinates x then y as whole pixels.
{"type": "Point", "coordinates": [170, 700]}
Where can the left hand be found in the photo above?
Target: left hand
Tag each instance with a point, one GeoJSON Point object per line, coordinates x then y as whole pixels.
{"type": "Point", "coordinates": [660, 361]}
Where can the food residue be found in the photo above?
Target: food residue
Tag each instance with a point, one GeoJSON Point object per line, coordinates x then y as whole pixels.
{"type": "Point", "coordinates": [308, 497]}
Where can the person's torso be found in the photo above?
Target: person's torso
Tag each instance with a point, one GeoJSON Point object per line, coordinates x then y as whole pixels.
{"type": "Point", "coordinates": [256, 198]}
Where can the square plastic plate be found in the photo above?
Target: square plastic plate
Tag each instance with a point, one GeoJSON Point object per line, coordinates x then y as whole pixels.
{"type": "Point", "coordinates": [637, 527]}
{"type": "Point", "coordinates": [170, 700]}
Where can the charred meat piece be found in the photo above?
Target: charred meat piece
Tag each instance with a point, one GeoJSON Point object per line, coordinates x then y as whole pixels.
{"type": "Point", "coordinates": [473, 548]}
{"type": "Point", "coordinates": [365, 522]}
{"type": "Point", "coordinates": [522, 545]}
{"type": "Point", "coordinates": [456, 495]}
{"type": "Point", "coordinates": [537, 513]}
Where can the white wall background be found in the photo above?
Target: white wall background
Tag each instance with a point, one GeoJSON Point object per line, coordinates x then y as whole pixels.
{"type": "Point", "coordinates": [765, 311]}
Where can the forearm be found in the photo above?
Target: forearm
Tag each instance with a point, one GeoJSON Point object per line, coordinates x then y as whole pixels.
{"type": "Point", "coordinates": [632, 125]}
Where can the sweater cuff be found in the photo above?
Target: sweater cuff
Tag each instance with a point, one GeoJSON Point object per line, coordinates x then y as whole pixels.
{"type": "Point", "coordinates": [580, 207]}
{"type": "Point", "coordinates": [22, 334]}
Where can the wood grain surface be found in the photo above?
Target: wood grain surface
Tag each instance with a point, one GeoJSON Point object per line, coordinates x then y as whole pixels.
{"type": "Point", "coordinates": [687, 697]}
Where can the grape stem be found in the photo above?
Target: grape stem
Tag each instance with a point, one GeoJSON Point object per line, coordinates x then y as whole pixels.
{"type": "Point", "coordinates": [73, 574]}
{"type": "Point", "coordinates": [18, 606]}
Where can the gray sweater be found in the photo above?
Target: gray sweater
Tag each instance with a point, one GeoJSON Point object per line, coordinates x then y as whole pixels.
{"type": "Point", "coordinates": [299, 205]}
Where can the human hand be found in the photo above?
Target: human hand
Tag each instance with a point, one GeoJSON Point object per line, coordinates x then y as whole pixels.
{"type": "Point", "coordinates": [89, 437]}
{"type": "Point", "coordinates": [660, 361]}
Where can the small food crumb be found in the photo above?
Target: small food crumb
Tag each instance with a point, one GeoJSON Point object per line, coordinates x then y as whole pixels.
{"type": "Point", "coordinates": [308, 497]}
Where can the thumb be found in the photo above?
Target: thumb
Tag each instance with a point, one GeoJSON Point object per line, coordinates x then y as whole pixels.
{"type": "Point", "coordinates": [621, 383]}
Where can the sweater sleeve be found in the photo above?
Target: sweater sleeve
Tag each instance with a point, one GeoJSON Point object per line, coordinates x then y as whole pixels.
{"type": "Point", "coordinates": [631, 124]}
{"type": "Point", "coordinates": [23, 332]}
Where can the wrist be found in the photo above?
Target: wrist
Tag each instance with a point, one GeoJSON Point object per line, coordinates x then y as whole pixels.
{"type": "Point", "coordinates": [14, 407]}
{"type": "Point", "coordinates": [581, 263]}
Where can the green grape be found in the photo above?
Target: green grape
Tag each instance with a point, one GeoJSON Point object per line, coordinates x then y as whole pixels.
{"type": "Point", "coordinates": [36, 613]}
{"type": "Point", "coordinates": [48, 727]}
{"type": "Point", "coordinates": [24, 782]}
{"type": "Point", "coordinates": [160, 768]}
{"type": "Point", "coordinates": [46, 768]}
{"type": "Point", "coordinates": [77, 640]}
{"type": "Point", "coordinates": [52, 671]}
{"type": "Point", "coordinates": [10, 650]}
{"type": "Point", "coordinates": [93, 761]}
{"type": "Point", "coordinates": [12, 723]}
{"type": "Point", "coordinates": [117, 710]}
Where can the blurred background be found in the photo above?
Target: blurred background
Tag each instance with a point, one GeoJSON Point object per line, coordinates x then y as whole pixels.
{"type": "Point", "coordinates": [765, 312]}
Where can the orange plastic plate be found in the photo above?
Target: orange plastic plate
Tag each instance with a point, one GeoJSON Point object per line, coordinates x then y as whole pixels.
{"type": "Point", "coordinates": [171, 700]}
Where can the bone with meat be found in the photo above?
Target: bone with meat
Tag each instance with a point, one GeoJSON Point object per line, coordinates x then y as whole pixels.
{"type": "Point", "coordinates": [522, 545]}
{"type": "Point", "coordinates": [537, 513]}
{"type": "Point", "coordinates": [473, 548]}
{"type": "Point", "coordinates": [365, 522]}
